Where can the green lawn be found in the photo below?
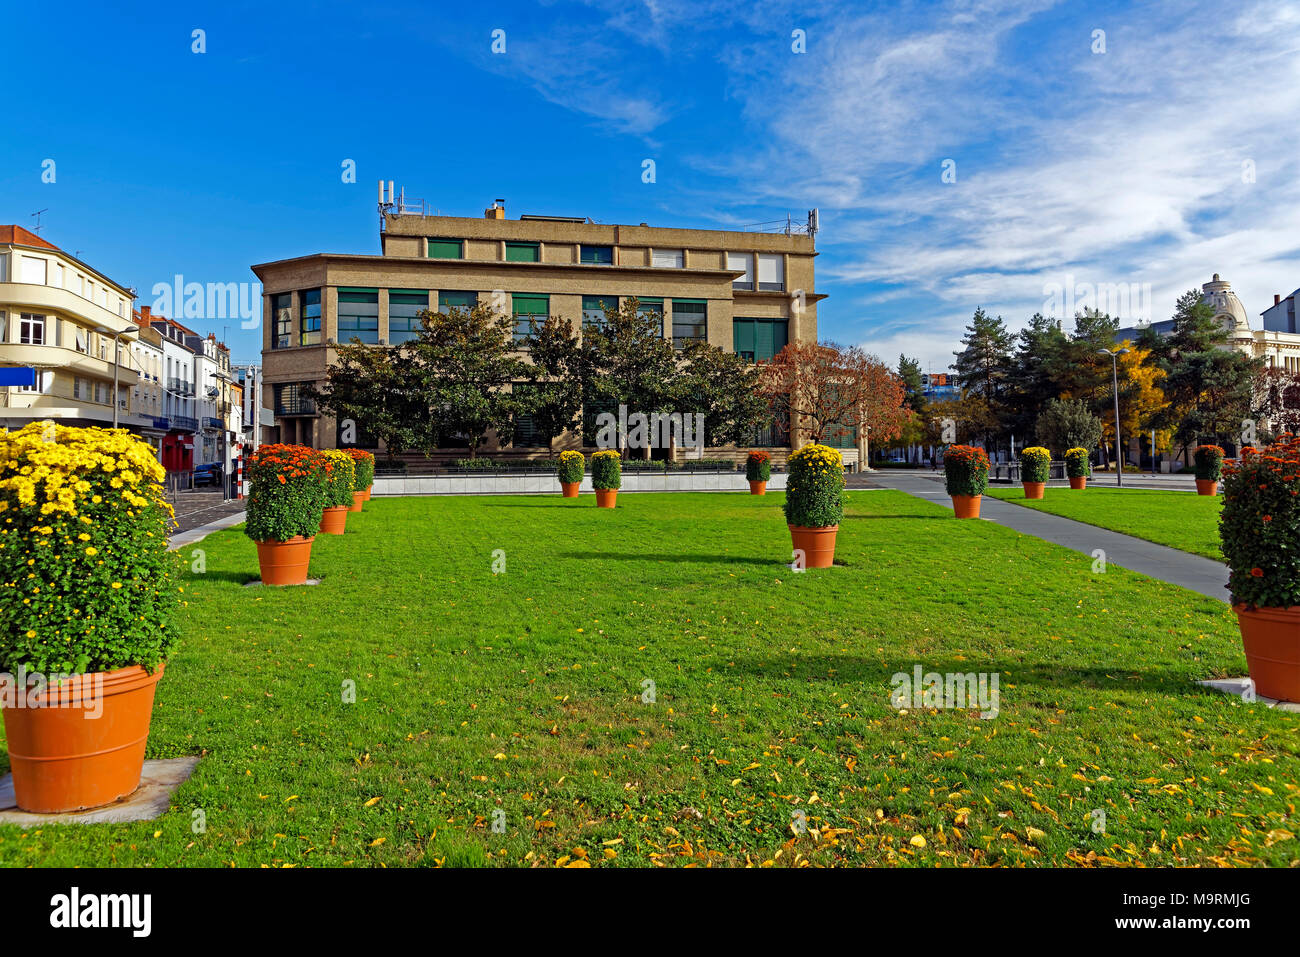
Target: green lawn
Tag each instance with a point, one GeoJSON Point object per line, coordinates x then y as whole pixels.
{"type": "Point", "coordinates": [522, 692]}
{"type": "Point", "coordinates": [1182, 520]}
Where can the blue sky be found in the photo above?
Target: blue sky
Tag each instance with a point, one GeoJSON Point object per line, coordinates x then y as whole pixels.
{"type": "Point", "coordinates": [1167, 157]}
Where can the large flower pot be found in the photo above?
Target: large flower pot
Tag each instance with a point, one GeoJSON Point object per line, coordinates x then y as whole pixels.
{"type": "Point", "coordinates": [1034, 489]}
{"type": "Point", "coordinates": [285, 563]}
{"type": "Point", "coordinates": [1271, 639]}
{"type": "Point", "coordinates": [334, 520]}
{"type": "Point", "coordinates": [365, 493]}
{"type": "Point", "coordinates": [570, 489]}
{"type": "Point", "coordinates": [358, 499]}
{"type": "Point", "coordinates": [1207, 486]}
{"type": "Point", "coordinates": [817, 544]}
{"type": "Point", "coordinates": [965, 506]}
{"type": "Point", "coordinates": [1078, 481]}
{"type": "Point", "coordinates": [606, 497]}
{"type": "Point", "coordinates": [757, 488]}
{"type": "Point", "coordinates": [85, 746]}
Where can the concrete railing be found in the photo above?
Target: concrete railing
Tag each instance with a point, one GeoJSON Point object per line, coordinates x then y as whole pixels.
{"type": "Point", "coordinates": [550, 485]}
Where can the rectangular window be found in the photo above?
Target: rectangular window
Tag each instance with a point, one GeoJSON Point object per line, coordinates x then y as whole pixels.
{"type": "Point", "coordinates": [667, 258]}
{"type": "Point", "coordinates": [31, 330]}
{"type": "Point", "coordinates": [529, 312]}
{"type": "Point", "coordinates": [40, 386]}
{"type": "Point", "coordinates": [593, 310]}
{"type": "Point", "coordinates": [58, 275]}
{"type": "Point", "coordinates": [289, 400]}
{"type": "Point", "coordinates": [651, 309]}
{"type": "Point", "coordinates": [281, 319]}
{"type": "Point", "coordinates": [457, 300]}
{"type": "Point", "coordinates": [4, 267]}
{"type": "Point", "coordinates": [690, 321]}
{"type": "Point", "coordinates": [34, 270]}
{"type": "Point", "coordinates": [526, 433]}
{"type": "Point", "coordinates": [309, 334]}
{"type": "Point", "coordinates": [404, 308]}
{"type": "Point", "coordinates": [758, 340]}
{"type": "Point", "coordinates": [597, 255]}
{"type": "Point", "coordinates": [771, 272]}
{"type": "Point", "coordinates": [446, 249]}
{"type": "Point", "coordinates": [523, 253]}
{"type": "Point", "coordinates": [359, 315]}
{"type": "Point", "coordinates": [742, 262]}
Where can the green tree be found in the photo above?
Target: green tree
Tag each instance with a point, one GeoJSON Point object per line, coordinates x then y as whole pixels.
{"type": "Point", "coordinates": [909, 370]}
{"type": "Point", "coordinates": [1039, 363]}
{"type": "Point", "coordinates": [1067, 424]}
{"type": "Point", "coordinates": [553, 397]}
{"type": "Point", "coordinates": [466, 364]}
{"type": "Point", "coordinates": [724, 387]}
{"type": "Point", "coordinates": [983, 369]}
{"type": "Point", "coordinates": [379, 390]}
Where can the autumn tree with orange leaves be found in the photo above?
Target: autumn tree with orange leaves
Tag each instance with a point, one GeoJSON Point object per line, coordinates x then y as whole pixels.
{"type": "Point", "coordinates": [826, 387]}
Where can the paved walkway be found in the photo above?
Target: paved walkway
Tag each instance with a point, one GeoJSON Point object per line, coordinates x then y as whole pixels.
{"type": "Point", "coordinates": [1158, 561]}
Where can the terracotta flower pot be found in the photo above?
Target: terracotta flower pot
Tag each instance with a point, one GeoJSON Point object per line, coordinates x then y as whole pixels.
{"type": "Point", "coordinates": [1207, 487]}
{"type": "Point", "coordinates": [570, 489]}
{"type": "Point", "coordinates": [85, 747]}
{"type": "Point", "coordinates": [758, 488]}
{"type": "Point", "coordinates": [358, 499]}
{"type": "Point", "coordinates": [966, 506]}
{"type": "Point", "coordinates": [1078, 481]}
{"type": "Point", "coordinates": [1271, 639]}
{"type": "Point", "coordinates": [285, 563]}
{"type": "Point", "coordinates": [1034, 489]}
{"type": "Point", "coordinates": [334, 520]}
{"type": "Point", "coordinates": [817, 544]}
{"type": "Point", "coordinates": [365, 493]}
{"type": "Point", "coordinates": [606, 497]}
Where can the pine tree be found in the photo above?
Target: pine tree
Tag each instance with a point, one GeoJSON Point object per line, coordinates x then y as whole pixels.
{"type": "Point", "coordinates": [983, 370]}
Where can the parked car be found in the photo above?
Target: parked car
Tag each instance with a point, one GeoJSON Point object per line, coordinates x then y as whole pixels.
{"type": "Point", "coordinates": [208, 474]}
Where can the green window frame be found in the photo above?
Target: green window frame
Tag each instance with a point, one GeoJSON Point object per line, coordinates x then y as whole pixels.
{"type": "Point", "coordinates": [690, 321]}
{"type": "Point", "coordinates": [310, 309]}
{"type": "Point", "coordinates": [358, 315]}
{"type": "Point", "coordinates": [759, 340]}
{"type": "Point", "coordinates": [526, 434]}
{"type": "Point", "coordinates": [404, 308]}
{"type": "Point", "coordinates": [456, 300]}
{"type": "Point", "coordinates": [650, 307]}
{"type": "Point", "coordinates": [523, 252]}
{"type": "Point", "coordinates": [593, 310]}
{"type": "Point", "coordinates": [528, 311]}
{"type": "Point", "coordinates": [596, 255]}
{"type": "Point", "coordinates": [446, 249]}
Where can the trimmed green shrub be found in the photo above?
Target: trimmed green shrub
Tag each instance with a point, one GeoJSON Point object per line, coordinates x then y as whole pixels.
{"type": "Point", "coordinates": [287, 493]}
{"type": "Point", "coordinates": [606, 470]}
{"type": "Point", "coordinates": [1209, 462]}
{"type": "Point", "coordinates": [1035, 464]}
{"type": "Point", "coordinates": [758, 466]}
{"type": "Point", "coordinates": [965, 470]}
{"type": "Point", "coordinates": [571, 467]}
{"type": "Point", "coordinates": [1260, 525]}
{"type": "Point", "coordinates": [1077, 464]}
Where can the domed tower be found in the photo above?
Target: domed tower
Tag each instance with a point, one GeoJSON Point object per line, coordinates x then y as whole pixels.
{"type": "Point", "coordinates": [1227, 307]}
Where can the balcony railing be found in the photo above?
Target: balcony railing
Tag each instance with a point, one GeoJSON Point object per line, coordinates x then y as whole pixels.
{"type": "Point", "coordinates": [212, 422]}
{"type": "Point", "coordinates": [180, 386]}
{"type": "Point", "coordinates": [185, 423]}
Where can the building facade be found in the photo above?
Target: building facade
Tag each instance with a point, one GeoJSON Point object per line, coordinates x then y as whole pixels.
{"type": "Point", "coordinates": [742, 291]}
{"type": "Point", "coordinates": [72, 325]}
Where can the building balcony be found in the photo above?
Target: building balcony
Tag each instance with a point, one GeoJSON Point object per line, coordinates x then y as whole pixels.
{"type": "Point", "coordinates": [295, 407]}
{"type": "Point", "coordinates": [184, 423]}
{"type": "Point", "coordinates": [179, 386]}
{"type": "Point", "coordinates": [19, 296]}
{"type": "Point", "coordinates": [64, 358]}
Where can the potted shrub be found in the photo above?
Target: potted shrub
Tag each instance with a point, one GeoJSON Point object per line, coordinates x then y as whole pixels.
{"type": "Point", "coordinates": [87, 610]}
{"type": "Point", "coordinates": [814, 502]}
{"type": "Point", "coordinates": [571, 466]}
{"type": "Point", "coordinates": [1209, 467]}
{"type": "Point", "coordinates": [1259, 529]}
{"type": "Point", "coordinates": [1077, 467]}
{"type": "Point", "coordinates": [340, 481]}
{"type": "Point", "coordinates": [364, 464]}
{"type": "Point", "coordinates": [286, 496]}
{"type": "Point", "coordinates": [1035, 466]}
{"type": "Point", "coordinates": [966, 476]}
{"type": "Point", "coordinates": [758, 469]}
{"type": "Point", "coordinates": [606, 476]}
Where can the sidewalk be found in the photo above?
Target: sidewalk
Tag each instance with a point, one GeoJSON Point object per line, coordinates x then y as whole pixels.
{"type": "Point", "coordinates": [1157, 561]}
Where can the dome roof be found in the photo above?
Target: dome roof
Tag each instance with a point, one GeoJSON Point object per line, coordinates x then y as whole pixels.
{"type": "Point", "coordinates": [1227, 307]}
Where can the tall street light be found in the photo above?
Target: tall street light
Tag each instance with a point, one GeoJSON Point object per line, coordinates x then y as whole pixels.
{"type": "Point", "coordinates": [116, 334]}
{"type": "Point", "coordinates": [1114, 383]}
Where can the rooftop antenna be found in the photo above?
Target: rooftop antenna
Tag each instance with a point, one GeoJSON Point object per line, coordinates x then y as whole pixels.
{"type": "Point", "coordinates": [813, 223]}
{"type": "Point", "coordinates": [385, 207]}
{"type": "Point", "coordinates": [37, 214]}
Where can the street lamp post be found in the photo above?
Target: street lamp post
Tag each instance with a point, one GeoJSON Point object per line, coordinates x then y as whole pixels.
{"type": "Point", "coordinates": [1114, 382]}
{"type": "Point", "coordinates": [117, 335]}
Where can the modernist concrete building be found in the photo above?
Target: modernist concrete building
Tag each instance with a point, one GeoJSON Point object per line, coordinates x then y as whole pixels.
{"type": "Point", "coordinates": [749, 292]}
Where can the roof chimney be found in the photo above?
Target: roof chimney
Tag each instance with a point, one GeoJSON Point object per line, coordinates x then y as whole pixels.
{"type": "Point", "coordinates": [496, 211]}
{"type": "Point", "coordinates": [1276, 299]}
{"type": "Point", "coordinates": [146, 313]}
